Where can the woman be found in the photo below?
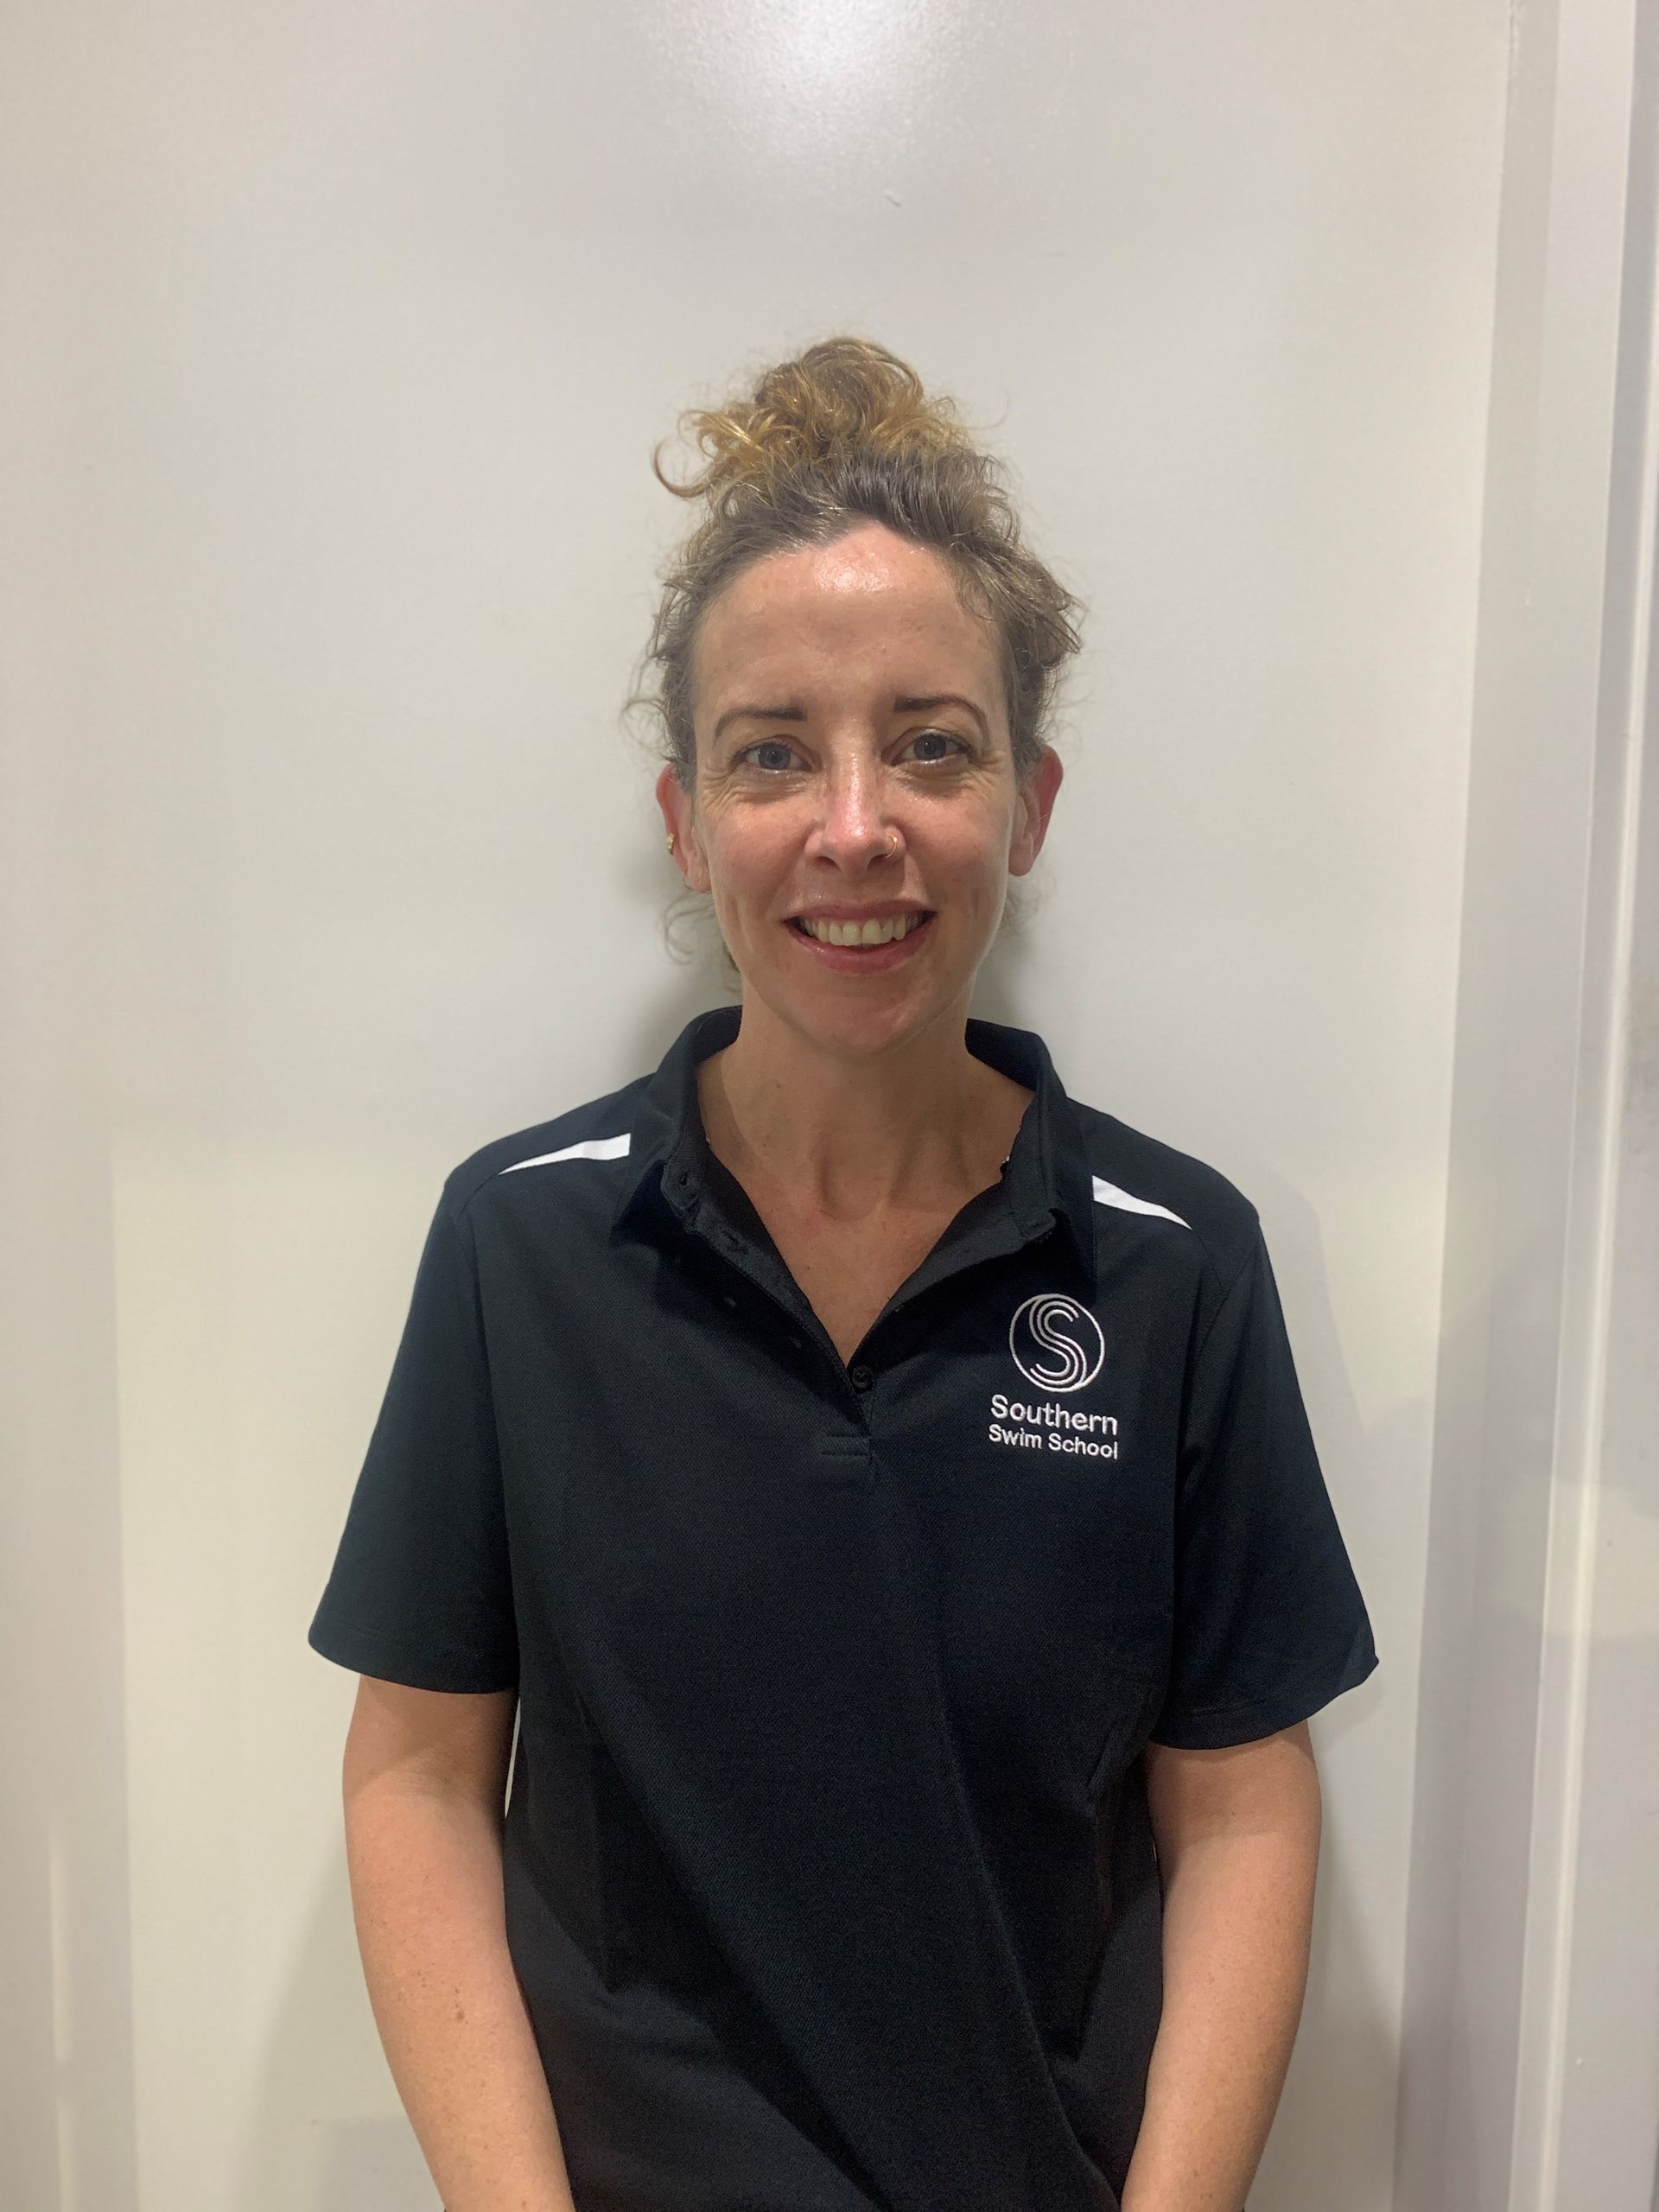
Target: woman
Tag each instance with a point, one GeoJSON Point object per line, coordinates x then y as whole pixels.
{"type": "Point", "coordinates": [878, 1481]}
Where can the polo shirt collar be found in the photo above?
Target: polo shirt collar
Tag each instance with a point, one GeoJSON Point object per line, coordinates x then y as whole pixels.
{"type": "Point", "coordinates": [1049, 1178]}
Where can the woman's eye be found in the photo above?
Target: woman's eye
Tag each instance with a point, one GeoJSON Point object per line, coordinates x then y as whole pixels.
{"type": "Point", "coordinates": [768, 745]}
{"type": "Point", "coordinates": [776, 746]}
{"type": "Point", "coordinates": [945, 735]}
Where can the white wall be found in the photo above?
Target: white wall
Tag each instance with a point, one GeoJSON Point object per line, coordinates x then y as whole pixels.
{"type": "Point", "coordinates": [349, 331]}
{"type": "Point", "coordinates": [1531, 2040]}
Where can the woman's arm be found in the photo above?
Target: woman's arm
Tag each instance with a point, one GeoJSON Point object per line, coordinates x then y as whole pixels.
{"type": "Point", "coordinates": [425, 1773]}
{"type": "Point", "coordinates": [1238, 1844]}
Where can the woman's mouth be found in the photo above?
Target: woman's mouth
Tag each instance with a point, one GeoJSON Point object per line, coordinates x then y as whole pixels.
{"type": "Point", "coordinates": [862, 948]}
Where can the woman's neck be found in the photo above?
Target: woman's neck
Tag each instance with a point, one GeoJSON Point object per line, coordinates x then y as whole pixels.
{"type": "Point", "coordinates": [919, 1128]}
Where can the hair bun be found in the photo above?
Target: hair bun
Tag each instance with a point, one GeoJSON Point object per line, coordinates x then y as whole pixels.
{"type": "Point", "coordinates": [840, 396]}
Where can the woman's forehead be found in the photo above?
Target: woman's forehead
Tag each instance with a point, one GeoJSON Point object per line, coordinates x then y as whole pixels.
{"type": "Point", "coordinates": [871, 567]}
{"type": "Point", "coordinates": [807, 615]}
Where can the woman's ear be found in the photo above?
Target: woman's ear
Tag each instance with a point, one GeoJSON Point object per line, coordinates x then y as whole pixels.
{"type": "Point", "coordinates": [1033, 804]}
{"type": "Point", "coordinates": [678, 814]}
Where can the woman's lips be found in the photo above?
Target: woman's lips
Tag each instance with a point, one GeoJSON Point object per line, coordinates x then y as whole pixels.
{"type": "Point", "coordinates": [863, 959]}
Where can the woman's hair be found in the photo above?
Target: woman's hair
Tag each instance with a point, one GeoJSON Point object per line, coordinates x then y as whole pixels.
{"type": "Point", "coordinates": [841, 435]}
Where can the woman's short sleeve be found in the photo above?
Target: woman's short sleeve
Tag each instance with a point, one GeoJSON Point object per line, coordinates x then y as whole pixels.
{"type": "Point", "coordinates": [1269, 1623]}
{"type": "Point", "coordinates": [421, 1591]}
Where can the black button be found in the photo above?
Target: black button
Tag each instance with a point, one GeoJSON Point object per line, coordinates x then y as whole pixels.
{"type": "Point", "coordinates": [860, 1379]}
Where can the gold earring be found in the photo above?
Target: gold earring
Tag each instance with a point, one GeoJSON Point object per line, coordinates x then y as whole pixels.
{"type": "Point", "coordinates": [671, 841]}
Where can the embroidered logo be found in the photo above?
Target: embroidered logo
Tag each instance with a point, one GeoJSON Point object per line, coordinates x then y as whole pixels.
{"type": "Point", "coordinates": [1056, 1343]}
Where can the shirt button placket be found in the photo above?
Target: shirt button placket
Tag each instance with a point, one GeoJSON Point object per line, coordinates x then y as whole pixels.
{"type": "Point", "coordinates": [851, 1447]}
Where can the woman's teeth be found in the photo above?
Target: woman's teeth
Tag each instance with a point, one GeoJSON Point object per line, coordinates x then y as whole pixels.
{"type": "Point", "coordinates": [861, 932]}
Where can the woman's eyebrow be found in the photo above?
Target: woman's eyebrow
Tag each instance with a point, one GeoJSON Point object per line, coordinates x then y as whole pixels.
{"type": "Point", "coordinates": [921, 702]}
{"type": "Point", "coordinates": [761, 713]}
{"type": "Point", "coordinates": [915, 702]}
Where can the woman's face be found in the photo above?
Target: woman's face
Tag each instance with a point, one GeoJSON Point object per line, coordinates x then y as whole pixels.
{"type": "Point", "coordinates": [854, 763]}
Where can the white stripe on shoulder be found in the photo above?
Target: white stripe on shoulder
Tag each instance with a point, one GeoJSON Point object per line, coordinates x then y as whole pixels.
{"type": "Point", "coordinates": [589, 1148]}
{"type": "Point", "coordinates": [1107, 1194]}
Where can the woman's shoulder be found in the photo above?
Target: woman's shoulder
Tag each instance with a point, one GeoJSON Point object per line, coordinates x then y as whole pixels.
{"type": "Point", "coordinates": [598, 1129]}
{"type": "Point", "coordinates": [1132, 1169]}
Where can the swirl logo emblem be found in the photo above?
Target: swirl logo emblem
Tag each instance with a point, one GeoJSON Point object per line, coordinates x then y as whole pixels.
{"type": "Point", "coordinates": [1056, 1343]}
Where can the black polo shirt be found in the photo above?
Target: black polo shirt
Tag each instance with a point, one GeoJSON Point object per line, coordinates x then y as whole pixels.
{"type": "Point", "coordinates": [829, 1882]}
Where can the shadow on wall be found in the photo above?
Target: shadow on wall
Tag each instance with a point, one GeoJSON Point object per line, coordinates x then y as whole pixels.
{"type": "Point", "coordinates": [374, 2165]}
{"type": "Point", "coordinates": [328, 2132]}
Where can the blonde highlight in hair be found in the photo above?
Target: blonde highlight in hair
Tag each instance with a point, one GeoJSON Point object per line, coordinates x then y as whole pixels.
{"type": "Point", "coordinates": [837, 397]}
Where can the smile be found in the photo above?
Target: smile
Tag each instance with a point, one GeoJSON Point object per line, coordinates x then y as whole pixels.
{"type": "Point", "coordinates": [870, 948]}
{"type": "Point", "coordinates": [861, 933]}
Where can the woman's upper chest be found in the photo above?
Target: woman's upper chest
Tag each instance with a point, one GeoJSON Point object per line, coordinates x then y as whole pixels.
{"type": "Point", "coordinates": [847, 1272]}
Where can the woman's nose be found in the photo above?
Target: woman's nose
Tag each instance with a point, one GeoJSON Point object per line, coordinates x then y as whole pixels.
{"type": "Point", "coordinates": [855, 822]}
{"type": "Point", "coordinates": [856, 827]}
